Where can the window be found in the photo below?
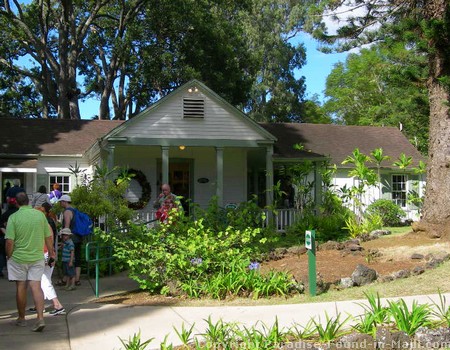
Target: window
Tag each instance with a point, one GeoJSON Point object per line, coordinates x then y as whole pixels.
{"type": "Point", "coordinates": [193, 107]}
{"type": "Point", "coordinates": [62, 180]}
{"type": "Point", "coordinates": [399, 190]}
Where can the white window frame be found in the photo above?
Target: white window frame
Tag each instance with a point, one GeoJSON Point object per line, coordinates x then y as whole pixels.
{"type": "Point", "coordinates": [65, 187]}
{"type": "Point", "coordinates": [401, 202]}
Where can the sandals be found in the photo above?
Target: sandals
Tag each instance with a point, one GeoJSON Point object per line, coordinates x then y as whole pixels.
{"type": "Point", "coordinates": [77, 283]}
{"type": "Point", "coordinates": [60, 283]}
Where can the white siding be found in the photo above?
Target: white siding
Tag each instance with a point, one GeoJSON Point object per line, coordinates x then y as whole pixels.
{"type": "Point", "coordinates": [143, 159]}
{"type": "Point", "coordinates": [204, 167]}
{"type": "Point", "coordinates": [166, 121]}
{"type": "Point", "coordinates": [235, 176]}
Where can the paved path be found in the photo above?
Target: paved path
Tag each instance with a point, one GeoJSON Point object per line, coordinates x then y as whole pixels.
{"type": "Point", "coordinates": [89, 325]}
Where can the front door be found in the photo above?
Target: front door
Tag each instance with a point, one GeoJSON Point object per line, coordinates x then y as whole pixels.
{"type": "Point", "coordinates": [180, 181]}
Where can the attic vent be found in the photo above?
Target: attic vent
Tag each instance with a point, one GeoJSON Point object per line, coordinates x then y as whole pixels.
{"type": "Point", "coordinates": [193, 107]}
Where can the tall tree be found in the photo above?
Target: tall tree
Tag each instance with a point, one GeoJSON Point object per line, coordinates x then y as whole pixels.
{"type": "Point", "coordinates": [127, 51]}
{"type": "Point", "coordinates": [426, 25]}
{"type": "Point", "coordinates": [384, 85]}
{"type": "Point", "coordinates": [51, 35]}
{"type": "Point", "coordinates": [277, 95]}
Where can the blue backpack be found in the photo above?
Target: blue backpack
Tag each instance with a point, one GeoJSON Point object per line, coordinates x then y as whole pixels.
{"type": "Point", "coordinates": [82, 224]}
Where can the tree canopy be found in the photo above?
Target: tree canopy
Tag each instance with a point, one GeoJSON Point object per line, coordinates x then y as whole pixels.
{"type": "Point", "coordinates": [128, 54]}
{"type": "Point", "coordinates": [382, 86]}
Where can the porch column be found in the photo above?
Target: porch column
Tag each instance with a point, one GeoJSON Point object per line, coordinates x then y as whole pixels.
{"type": "Point", "coordinates": [317, 187]}
{"type": "Point", "coordinates": [165, 164]}
{"type": "Point", "coordinates": [110, 157]}
{"type": "Point", "coordinates": [269, 175]}
{"type": "Point", "coordinates": [219, 174]}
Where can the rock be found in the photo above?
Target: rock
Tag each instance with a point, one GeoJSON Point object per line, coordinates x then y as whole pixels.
{"type": "Point", "coordinates": [429, 256]}
{"type": "Point", "coordinates": [418, 270]}
{"type": "Point", "coordinates": [276, 254]}
{"type": "Point", "coordinates": [374, 252]}
{"type": "Point", "coordinates": [401, 274]}
{"type": "Point", "coordinates": [346, 282]}
{"type": "Point", "coordinates": [442, 255]}
{"type": "Point", "coordinates": [417, 256]}
{"type": "Point", "coordinates": [331, 245]}
{"type": "Point", "coordinates": [378, 233]}
{"type": "Point", "coordinates": [280, 251]}
{"type": "Point", "coordinates": [356, 341]}
{"type": "Point", "coordinates": [299, 286]}
{"type": "Point", "coordinates": [363, 275]}
{"type": "Point", "coordinates": [433, 263]}
{"type": "Point", "coordinates": [297, 250]}
{"type": "Point", "coordinates": [433, 338]}
{"type": "Point", "coordinates": [321, 285]}
{"type": "Point", "coordinates": [352, 241]}
{"type": "Point", "coordinates": [354, 247]}
{"type": "Point", "coordinates": [387, 340]}
{"type": "Point", "coordinates": [386, 278]}
{"type": "Point", "coordinates": [400, 340]}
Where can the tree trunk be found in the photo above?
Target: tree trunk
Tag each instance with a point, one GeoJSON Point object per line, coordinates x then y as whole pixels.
{"type": "Point", "coordinates": [437, 193]}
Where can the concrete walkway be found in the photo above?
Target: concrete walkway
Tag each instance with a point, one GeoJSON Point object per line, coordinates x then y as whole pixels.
{"type": "Point", "coordinates": [89, 325]}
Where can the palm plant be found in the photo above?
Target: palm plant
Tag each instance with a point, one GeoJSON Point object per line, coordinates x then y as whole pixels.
{"type": "Point", "coordinates": [365, 176]}
{"type": "Point", "coordinates": [379, 157]}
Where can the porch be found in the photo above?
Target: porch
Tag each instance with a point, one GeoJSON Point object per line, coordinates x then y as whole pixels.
{"type": "Point", "coordinates": [281, 220]}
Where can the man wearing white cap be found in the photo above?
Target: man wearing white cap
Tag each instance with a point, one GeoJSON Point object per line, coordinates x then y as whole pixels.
{"type": "Point", "coordinates": [68, 217]}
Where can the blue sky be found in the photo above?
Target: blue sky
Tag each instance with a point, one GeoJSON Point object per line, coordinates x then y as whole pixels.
{"type": "Point", "coordinates": [318, 67]}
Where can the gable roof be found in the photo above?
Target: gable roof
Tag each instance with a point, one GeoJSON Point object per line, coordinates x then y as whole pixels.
{"type": "Point", "coordinates": [33, 137]}
{"type": "Point", "coordinates": [252, 126]}
{"type": "Point", "coordinates": [338, 141]}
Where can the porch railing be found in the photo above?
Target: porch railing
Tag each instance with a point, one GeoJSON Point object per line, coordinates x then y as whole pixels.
{"type": "Point", "coordinates": [281, 220]}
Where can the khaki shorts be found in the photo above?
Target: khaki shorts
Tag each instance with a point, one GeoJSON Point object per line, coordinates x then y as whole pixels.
{"type": "Point", "coordinates": [25, 272]}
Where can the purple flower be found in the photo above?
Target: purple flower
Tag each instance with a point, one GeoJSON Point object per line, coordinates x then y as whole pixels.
{"type": "Point", "coordinates": [253, 265]}
{"type": "Point", "coordinates": [196, 261]}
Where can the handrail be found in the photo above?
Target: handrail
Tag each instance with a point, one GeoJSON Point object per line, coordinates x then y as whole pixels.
{"type": "Point", "coordinates": [95, 246]}
{"type": "Point", "coordinates": [91, 246]}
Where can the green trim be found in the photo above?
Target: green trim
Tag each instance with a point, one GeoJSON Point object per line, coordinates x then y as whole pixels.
{"type": "Point", "coordinates": [296, 160]}
{"type": "Point", "coordinates": [189, 142]}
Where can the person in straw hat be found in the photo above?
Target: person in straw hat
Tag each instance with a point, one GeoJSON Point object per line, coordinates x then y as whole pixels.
{"type": "Point", "coordinates": [68, 258]}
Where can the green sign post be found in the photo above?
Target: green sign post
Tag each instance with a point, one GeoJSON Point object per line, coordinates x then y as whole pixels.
{"type": "Point", "coordinates": [310, 244]}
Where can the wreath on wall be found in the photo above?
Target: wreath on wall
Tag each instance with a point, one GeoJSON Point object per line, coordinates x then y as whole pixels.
{"type": "Point", "coordinates": [146, 189]}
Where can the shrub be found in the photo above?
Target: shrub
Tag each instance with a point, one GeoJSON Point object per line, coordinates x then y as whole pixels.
{"type": "Point", "coordinates": [391, 214]}
{"type": "Point", "coordinates": [180, 251]}
{"type": "Point", "coordinates": [327, 227]}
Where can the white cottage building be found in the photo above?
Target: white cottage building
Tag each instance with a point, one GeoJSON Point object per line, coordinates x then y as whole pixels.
{"type": "Point", "coordinates": [199, 144]}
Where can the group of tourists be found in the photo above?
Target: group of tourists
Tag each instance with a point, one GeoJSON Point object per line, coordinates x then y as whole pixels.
{"type": "Point", "coordinates": [28, 232]}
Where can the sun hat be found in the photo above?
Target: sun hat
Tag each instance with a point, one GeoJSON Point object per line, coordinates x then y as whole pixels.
{"type": "Point", "coordinates": [65, 231]}
{"type": "Point", "coordinates": [65, 198]}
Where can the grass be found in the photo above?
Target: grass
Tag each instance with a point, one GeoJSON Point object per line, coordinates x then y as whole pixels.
{"type": "Point", "coordinates": [398, 230]}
